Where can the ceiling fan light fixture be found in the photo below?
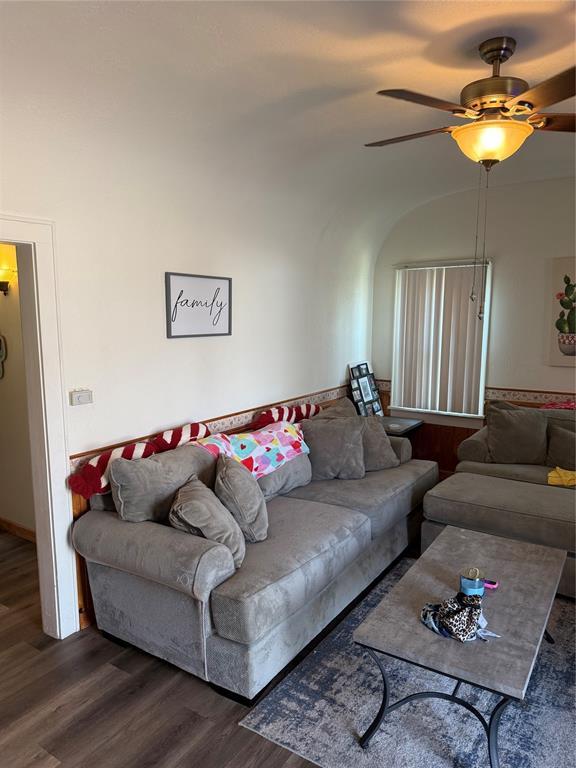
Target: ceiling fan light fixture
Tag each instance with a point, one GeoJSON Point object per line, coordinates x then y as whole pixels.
{"type": "Point", "coordinates": [493, 140]}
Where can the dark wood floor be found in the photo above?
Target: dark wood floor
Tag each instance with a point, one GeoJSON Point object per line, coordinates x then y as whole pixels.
{"type": "Point", "coordinates": [86, 702]}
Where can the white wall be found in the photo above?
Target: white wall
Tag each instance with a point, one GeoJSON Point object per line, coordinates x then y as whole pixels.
{"type": "Point", "coordinates": [223, 139]}
{"type": "Point", "coordinates": [132, 166]}
{"type": "Point", "coordinates": [16, 499]}
{"type": "Point", "coordinates": [527, 225]}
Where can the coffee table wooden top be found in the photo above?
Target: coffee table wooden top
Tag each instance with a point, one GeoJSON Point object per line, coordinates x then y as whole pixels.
{"type": "Point", "coordinates": [518, 610]}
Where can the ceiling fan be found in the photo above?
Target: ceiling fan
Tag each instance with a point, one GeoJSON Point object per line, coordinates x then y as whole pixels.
{"type": "Point", "coordinates": [492, 104]}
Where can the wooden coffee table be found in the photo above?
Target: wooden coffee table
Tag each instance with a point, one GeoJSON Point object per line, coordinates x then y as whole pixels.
{"type": "Point", "coordinates": [517, 611]}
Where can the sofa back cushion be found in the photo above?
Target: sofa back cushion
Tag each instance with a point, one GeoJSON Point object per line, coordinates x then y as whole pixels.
{"type": "Point", "coordinates": [144, 489]}
{"type": "Point", "coordinates": [561, 448]}
{"type": "Point", "coordinates": [196, 509]}
{"type": "Point", "coordinates": [238, 490]}
{"type": "Point", "coordinates": [293, 474]}
{"type": "Point", "coordinates": [560, 417]}
{"type": "Point", "coordinates": [378, 452]}
{"type": "Point", "coordinates": [516, 435]}
{"type": "Point", "coordinates": [343, 408]}
{"type": "Point", "coordinates": [336, 448]}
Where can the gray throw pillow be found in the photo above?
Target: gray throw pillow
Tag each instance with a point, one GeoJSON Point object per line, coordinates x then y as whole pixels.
{"type": "Point", "coordinates": [336, 449]}
{"type": "Point", "coordinates": [516, 435]}
{"type": "Point", "coordinates": [561, 448]}
{"type": "Point", "coordinates": [196, 509]}
{"type": "Point", "coordinates": [342, 409]}
{"type": "Point", "coordinates": [238, 490]}
{"type": "Point", "coordinates": [378, 452]}
{"type": "Point", "coordinates": [293, 474]}
{"type": "Point", "coordinates": [143, 489]}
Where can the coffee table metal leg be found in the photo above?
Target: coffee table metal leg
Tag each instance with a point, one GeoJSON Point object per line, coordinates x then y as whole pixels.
{"type": "Point", "coordinates": [490, 728]}
{"type": "Point", "coordinates": [375, 724]}
{"type": "Point", "coordinates": [493, 731]}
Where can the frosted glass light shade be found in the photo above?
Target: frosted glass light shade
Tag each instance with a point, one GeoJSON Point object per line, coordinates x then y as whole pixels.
{"type": "Point", "coordinates": [491, 139]}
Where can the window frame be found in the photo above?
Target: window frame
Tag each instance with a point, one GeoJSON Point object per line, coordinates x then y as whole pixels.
{"type": "Point", "coordinates": [399, 270]}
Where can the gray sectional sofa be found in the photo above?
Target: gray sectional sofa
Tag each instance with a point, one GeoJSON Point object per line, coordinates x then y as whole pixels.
{"type": "Point", "coordinates": [511, 499]}
{"type": "Point", "coordinates": [179, 597]}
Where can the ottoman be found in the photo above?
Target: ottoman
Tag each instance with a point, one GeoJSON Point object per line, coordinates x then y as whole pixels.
{"type": "Point", "coordinates": [540, 514]}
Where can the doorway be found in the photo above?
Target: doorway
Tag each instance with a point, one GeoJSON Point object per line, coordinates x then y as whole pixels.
{"type": "Point", "coordinates": [33, 243]}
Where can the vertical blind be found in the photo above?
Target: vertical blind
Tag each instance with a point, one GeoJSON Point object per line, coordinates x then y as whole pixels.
{"type": "Point", "coordinates": [439, 342]}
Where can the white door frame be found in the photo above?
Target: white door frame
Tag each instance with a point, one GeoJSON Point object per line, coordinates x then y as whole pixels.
{"type": "Point", "coordinates": [37, 278]}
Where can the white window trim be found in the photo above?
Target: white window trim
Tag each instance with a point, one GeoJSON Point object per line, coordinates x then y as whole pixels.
{"type": "Point", "coordinates": [485, 337]}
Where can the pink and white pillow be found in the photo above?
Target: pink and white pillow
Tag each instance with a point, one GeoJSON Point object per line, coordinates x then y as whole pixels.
{"type": "Point", "coordinates": [291, 413]}
{"type": "Point", "coordinates": [262, 451]}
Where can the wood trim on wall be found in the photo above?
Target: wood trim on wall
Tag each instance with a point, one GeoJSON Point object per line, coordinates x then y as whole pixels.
{"type": "Point", "coordinates": [17, 530]}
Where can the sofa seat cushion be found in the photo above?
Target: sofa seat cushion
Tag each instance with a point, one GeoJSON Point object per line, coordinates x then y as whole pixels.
{"type": "Point", "coordinates": [308, 545]}
{"type": "Point", "coordinates": [526, 473]}
{"type": "Point", "coordinates": [385, 496]}
{"type": "Point", "coordinates": [513, 509]}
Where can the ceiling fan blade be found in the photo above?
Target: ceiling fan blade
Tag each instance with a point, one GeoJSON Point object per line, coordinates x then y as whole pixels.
{"type": "Point", "coordinates": [557, 88]}
{"type": "Point", "coordinates": [425, 101]}
{"type": "Point", "coordinates": [409, 137]}
{"type": "Point", "coordinates": [554, 121]}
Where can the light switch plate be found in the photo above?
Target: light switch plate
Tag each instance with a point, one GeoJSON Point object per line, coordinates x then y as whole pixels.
{"type": "Point", "coordinates": [80, 397]}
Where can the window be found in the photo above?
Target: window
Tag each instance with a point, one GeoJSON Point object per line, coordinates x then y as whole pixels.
{"type": "Point", "coordinates": [439, 342]}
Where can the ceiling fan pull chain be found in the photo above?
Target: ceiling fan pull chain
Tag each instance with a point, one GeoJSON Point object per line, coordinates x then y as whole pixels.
{"type": "Point", "coordinates": [473, 291]}
{"type": "Point", "coordinates": [484, 262]}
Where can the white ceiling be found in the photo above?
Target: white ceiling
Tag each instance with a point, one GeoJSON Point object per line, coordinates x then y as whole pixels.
{"type": "Point", "coordinates": [283, 93]}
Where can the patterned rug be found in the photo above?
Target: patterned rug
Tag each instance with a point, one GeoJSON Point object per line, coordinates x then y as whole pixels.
{"type": "Point", "coordinates": [319, 709]}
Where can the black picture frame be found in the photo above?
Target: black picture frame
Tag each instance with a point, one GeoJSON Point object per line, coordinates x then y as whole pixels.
{"type": "Point", "coordinates": [203, 292]}
{"type": "Point", "coordinates": [364, 390]}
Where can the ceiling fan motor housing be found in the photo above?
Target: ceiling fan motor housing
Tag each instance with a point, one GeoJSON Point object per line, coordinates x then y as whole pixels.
{"type": "Point", "coordinates": [491, 92]}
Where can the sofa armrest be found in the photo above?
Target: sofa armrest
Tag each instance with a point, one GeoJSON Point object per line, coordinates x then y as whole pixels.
{"type": "Point", "coordinates": [179, 560]}
{"type": "Point", "coordinates": [475, 447]}
{"type": "Point", "coordinates": [402, 448]}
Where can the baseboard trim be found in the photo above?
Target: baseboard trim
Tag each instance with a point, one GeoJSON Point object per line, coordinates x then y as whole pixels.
{"type": "Point", "coordinates": [17, 530]}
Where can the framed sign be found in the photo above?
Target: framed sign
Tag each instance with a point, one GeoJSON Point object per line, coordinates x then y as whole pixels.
{"type": "Point", "coordinates": [198, 305]}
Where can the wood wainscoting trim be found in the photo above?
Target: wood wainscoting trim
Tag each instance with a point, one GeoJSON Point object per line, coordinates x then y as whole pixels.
{"type": "Point", "coordinates": [18, 530]}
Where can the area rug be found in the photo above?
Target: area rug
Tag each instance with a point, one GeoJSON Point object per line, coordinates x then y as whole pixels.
{"type": "Point", "coordinates": [319, 709]}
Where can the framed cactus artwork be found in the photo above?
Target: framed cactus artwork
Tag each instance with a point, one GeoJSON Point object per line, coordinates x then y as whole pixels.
{"type": "Point", "coordinates": [562, 287]}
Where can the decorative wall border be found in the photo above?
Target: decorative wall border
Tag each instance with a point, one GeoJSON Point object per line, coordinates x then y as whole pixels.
{"type": "Point", "coordinates": [502, 393]}
{"type": "Point", "coordinates": [243, 418]}
{"type": "Point", "coordinates": [528, 395]}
